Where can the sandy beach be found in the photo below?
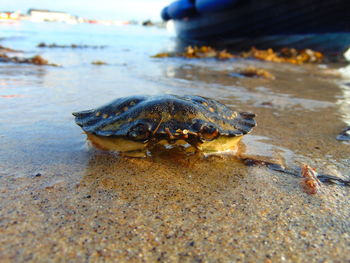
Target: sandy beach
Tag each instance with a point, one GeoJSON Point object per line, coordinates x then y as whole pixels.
{"type": "Point", "coordinates": [63, 201]}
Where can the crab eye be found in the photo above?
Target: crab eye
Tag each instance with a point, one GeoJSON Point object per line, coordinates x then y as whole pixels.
{"type": "Point", "coordinates": [139, 132]}
{"type": "Point", "coordinates": [209, 132]}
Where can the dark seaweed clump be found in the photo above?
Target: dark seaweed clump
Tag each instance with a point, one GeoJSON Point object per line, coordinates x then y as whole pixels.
{"type": "Point", "coordinates": [35, 60]}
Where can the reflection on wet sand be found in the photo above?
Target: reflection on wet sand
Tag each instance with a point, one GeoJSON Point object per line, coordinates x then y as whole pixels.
{"type": "Point", "coordinates": [215, 80]}
{"type": "Point", "coordinates": [344, 103]}
{"type": "Point", "coordinates": [169, 173]}
{"type": "Point", "coordinates": [176, 169]}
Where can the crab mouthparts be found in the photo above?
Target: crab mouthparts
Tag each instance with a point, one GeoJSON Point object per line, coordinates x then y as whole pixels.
{"type": "Point", "coordinates": [124, 145]}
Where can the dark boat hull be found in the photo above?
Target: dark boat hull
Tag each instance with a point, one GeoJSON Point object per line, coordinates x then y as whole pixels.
{"type": "Point", "coordinates": [320, 24]}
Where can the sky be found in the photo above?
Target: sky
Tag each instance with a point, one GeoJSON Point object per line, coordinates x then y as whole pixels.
{"type": "Point", "coordinates": [94, 9]}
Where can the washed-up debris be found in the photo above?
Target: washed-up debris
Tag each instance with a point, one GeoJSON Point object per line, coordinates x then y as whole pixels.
{"type": "Point", "coordinates": [253, 72]}
{"type": "Point", "coordinates": [198, 52]}
{"type": "Point", "coordinates": [270, 165]}
{"type": "Point", "coordinates": [164, 55]}
{"type": "Point", "coordinates": [54, 45]}
{"type": "Point", "coordinates": [98, 62]}
{"type": "Point", "coordinates": [147, 23]}
{"type": "Point", "coordinates": [288, 55]}
{"type": "Point", "coordinates": [8, 50]}
{"type": "Point", "coordinates": [36, 175]}
{"type": "Point", "coordinates": [344, 135]}
{"type": "Point", "coordinates": [36, 60]}
{"type": "Point", "coordinates": [206, 52]}
{"type": "Point", "coordinates": [309, 181]}
{"type": "Point", "coordinates": [267, 104]}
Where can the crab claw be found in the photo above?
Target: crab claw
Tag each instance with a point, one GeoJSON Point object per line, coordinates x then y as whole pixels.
{"type": "Point", "coordinates": [208, 133]}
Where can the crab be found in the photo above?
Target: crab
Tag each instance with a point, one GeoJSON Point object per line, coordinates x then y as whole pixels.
{"type": "Point", "coordinates": [138, 123]}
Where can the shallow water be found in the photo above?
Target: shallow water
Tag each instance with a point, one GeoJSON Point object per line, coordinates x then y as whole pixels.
{"type": "Point", "coordinates": [93, 206]}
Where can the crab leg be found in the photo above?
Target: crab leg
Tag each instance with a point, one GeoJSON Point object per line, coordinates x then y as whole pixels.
{"type": "Point", "coordinates": [171, 136]}
{"type": "Point", "coordinates": [156, 129]}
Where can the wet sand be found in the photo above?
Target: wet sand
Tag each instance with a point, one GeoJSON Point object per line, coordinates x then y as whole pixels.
{"type": "Point", "coordinates": [91, 206]}
{"type": "Point", "coordinates": [170, 210]}
{"type": "Point", "coordinates": [61, 201]}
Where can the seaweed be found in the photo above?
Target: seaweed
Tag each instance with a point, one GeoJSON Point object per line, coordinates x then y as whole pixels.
{"type": "Point", "coordinates": [310, 179]}
{"type": "Point", "coordinates": [253, 72]}
{"type": "Point", "coordinates": [98, 63]}
{"type": "Point", "coordinates": [289, 55]}
{"type": "Point", "coordinates": [35, 60]}
{"type": "Point", "coordinates": [8, 50]}
{"type": "Point", "coordinates": [286, 55]}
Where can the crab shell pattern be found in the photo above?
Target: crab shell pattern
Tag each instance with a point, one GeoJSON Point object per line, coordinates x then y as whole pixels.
{"type": "Point", "coordinates": [137, 123]}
